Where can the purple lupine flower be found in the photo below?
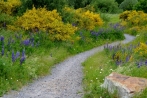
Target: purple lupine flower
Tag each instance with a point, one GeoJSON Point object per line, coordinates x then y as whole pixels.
{"type": "Point", "coordinates": [146, 62]}
{"type": "Point", "coordinates": [13, 56]}
{"type": "Point", "coordinates": [22, 60]}
{"type": "Point", "coordinates": [127, 58]}
{"type": "Point", "coordinates": [118, 62]}
{"type": "Point", "coordinates": [23, 53]}
{"type": "Point", "coordinates": [2, 51]}
{"type": "Point", "coordinates": [110, 47]}
{"type": "Point", "coordinates": [139, 64]}
{"type": "Point", "coordinates": [2, 38]}
{"type": "Point", "coordinates": [26, 42]}
{"type": "Point", "coordinates": [17, 55]}
{"type": "Point", "coordinates": [23, 57]}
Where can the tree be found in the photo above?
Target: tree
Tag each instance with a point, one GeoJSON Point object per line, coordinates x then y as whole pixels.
{"type": "Point", "coordinates": [141, 5]}
{"type": "Point", "coordinates": [128, 4]}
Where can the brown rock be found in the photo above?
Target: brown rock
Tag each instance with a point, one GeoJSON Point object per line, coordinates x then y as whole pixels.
{"type": "Point", "coordinates": [126, 86]}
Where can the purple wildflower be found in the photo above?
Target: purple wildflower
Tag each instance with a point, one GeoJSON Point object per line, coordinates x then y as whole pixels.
{"type": "Point", "coordinates": [2, 38]}
{"type": "Point", "coordinates": [23, 53]}
{"type": "Point", "coordinates": [118, 62]}
{"type": "Point", "coordinates": [26, 42]}
{"type": "Point", "coordinates": [17, 55]}
{"type": "Point", "coordinates": [2, 51]}
{"type": "Point", "coordinates": [146, 62]}
{"type": "Point", "coordinates": [23, 57]}
{"type": "Point", "coordinates": [139, 64]}
{"type": "Point", "coordinates": [127, 58]}
{"type": "Point", "coordinates": [22, 60]}
{"type": "Point", "coordinates": [13, 56]}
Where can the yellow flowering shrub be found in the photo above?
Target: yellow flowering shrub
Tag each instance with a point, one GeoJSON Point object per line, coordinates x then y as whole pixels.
{"type": "Point", "coordinates": [13, 28]}
{"type": "Point", "coordinates": [84, 18]}
{"type": "Point", "coordinates": [9, 6]}
{"type": "Point", "coordinates": [141, 50]}
{"type": "Point", "coordinates": [134, 19]}
{"type": "Point", "coordinates": [41, 19]}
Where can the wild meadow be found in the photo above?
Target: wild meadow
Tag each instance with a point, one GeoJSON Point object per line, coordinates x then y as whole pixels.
{"type": "Point", "coordinates": [36, 35]}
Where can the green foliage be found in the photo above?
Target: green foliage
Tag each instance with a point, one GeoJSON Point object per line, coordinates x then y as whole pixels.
{"type": "Point", "coordinates": [119, 1]}
{"type": "Point", "coordinates": [49, 4]}
{"type": "Point", "coordinates": [5, 19]}
{"type": "Point", "coordinates": [79, 3]}
{"type": "Point", "coordinates": [128, 4]}
{"type": "Point", "coordinates": [102, 5]}
{"type": "Point", "coordinates": [141, 5]}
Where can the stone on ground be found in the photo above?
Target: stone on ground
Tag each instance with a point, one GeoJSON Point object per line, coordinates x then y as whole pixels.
{"type": "Point", "coordinates": [125, 86]}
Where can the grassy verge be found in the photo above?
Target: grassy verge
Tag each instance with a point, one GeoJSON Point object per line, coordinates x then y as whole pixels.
{"type": "Point", "coordinates": [100, 65]}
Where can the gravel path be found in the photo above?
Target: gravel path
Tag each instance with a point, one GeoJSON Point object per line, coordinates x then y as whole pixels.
{"type": "Point", "coordinates": [65, 80]}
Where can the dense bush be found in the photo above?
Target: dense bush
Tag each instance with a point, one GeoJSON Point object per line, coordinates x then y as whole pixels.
{"type": "Point", "coordinates": [49, 4]}
{"type": "Point", "coordinates": [5, 19]}
{"type": "Point", "coordinates": [136, 20]}
{"type": "Point", "coordinates": [128, 4]}
{"type": "Point", "coordinates": [141, 5]}
{"type": "Point", "coordinates": [83, 19]}
{"type": "Point", "coordinates": [9, 6]}
{"type": "Point", "coordinates": [50, 21]}
{"type": "Point", "coordinates": [79, 3]}
{"type": "Point", "coordinates": [102, 5]}
{"type": "Point", "coordinates": [119, 1]}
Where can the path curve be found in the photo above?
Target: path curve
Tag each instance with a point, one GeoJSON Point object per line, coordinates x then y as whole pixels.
{"type": "Point", "coordinates": [65, 80]}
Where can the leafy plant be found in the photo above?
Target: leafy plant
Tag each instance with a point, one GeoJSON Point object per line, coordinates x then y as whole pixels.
{"type": "Point", "coordinates": [9, 6]}
{"type": "Point", "coordinates": [49, 21]}
{"type": "Point", "coordinates": [84, 19]}
{"type": "Point", "coordinates": [128, 4]}
{"type": "Point", "coordinates": [141, 6]}
{"type": "Point", "coordinates": [102, 6]}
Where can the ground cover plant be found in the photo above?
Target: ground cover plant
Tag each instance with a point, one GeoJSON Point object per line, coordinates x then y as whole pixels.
{"type": "Point", "coordinates": [30, 44]}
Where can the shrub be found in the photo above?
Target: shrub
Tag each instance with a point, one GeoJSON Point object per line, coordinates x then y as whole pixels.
{"type": "Point", "coordinates": [119, 1]}
{"type": "Point", "coordinates": [136, 20]}
{"type": "Point", "coordinates": [9, 6]}
{"type": "Point", "coordinates": [41, 19]}
{"type": "Point", "coordinates": [128, 4]}
{"type": "Point", "coordinates": [83, 19]}
{"type": "Point", "coordinates": [102, 5]}
{"type": "Point", "coordinates": [141, 5]}
{"type": "Point", "coordinates": [141, 50]}
{"type": "Point", "coordinates": [5, 19]}
{"type": "Point", "coordinates": [49, 4]}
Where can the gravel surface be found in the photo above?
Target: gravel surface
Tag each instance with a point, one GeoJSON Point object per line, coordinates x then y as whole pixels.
{"type": "Point", "coordinates": [65, 80]}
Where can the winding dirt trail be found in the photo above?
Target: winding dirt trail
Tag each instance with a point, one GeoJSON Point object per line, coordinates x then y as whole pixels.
{"type": "Point", "coordinates": [65, 80]}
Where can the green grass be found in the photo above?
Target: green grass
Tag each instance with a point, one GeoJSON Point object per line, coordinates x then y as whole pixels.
{"type": "Point", "coordinates": [95, 69]}
{"type": "Point", "coordinates": [110, 18]}
{"type": "Point", "coordinates": [100, 65]}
